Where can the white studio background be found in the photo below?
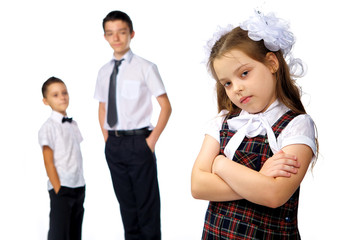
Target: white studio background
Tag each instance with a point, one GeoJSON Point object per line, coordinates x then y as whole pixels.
{"type": "Point", "coordinates": [43, 38]}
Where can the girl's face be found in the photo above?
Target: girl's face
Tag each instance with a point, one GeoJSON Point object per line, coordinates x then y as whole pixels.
{"type": "Point", "coordinates": [249, 84]}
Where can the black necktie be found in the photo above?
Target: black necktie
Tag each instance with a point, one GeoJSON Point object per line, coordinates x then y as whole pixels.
{"type": "Point", "coordinates": [66, 119]}
{"type": "Point", "coordinates": [111, 110]}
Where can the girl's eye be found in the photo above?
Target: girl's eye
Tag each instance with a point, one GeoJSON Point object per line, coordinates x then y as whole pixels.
{"type": "Point", "coordinates": [226, 84]}
{"type": "Point", "coordinates": [244, 74]}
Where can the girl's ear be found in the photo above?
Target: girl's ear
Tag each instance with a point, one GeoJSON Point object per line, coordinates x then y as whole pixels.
{"type": "Point", "coordinates": [273, 62]}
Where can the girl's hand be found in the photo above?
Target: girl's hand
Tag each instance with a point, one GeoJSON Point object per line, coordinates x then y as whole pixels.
{"type": "Point", "coordinates": [280, 165]}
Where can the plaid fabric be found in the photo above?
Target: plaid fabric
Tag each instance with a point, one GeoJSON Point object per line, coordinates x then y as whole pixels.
{"type": "Point", "coordinates": [243, 219]}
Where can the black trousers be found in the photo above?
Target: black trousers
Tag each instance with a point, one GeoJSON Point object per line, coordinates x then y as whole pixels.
{"type": "Point", "coordinates": [66, 213]}
{"type": "Point", "coordinates": [134, 175]}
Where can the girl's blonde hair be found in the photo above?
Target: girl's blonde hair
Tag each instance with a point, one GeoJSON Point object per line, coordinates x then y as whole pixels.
{"type": "Point", "coordinates": [286, 89]}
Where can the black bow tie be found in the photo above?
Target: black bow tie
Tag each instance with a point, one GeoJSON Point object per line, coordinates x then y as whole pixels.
{"type": "Point", "coordinates": [66, 119]}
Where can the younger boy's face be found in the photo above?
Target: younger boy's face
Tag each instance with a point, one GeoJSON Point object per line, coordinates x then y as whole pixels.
{"type": "Point", "coordinates": [57, 97]}
{"type": "Point", "coordinates": [118, 35]}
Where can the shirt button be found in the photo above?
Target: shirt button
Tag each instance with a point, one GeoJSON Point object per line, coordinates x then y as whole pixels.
{"type": "Point", "coordinates": [287, 219]}
{"type": "Point", "coordinates": [266, 141]}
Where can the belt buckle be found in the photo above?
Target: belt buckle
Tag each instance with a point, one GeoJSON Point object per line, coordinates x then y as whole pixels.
{"type": "Point", "coordinates": [117, 134]}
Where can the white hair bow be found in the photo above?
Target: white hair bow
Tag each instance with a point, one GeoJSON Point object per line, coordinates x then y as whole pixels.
{"type": "Point", "coordinates": [276, 35]}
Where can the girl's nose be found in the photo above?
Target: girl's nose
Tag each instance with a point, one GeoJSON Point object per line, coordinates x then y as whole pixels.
{"type": "Point", "coordinates": [238, 86]}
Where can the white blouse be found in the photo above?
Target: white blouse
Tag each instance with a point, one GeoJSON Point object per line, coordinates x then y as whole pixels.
{"type": "Point", "coordinates": [301, 130]}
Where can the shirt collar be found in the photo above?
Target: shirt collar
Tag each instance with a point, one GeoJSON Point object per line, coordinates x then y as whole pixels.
{"type": "Point", "coordinates": [57, 116]}
{"type": "Point", "coordinates": [127, 57]}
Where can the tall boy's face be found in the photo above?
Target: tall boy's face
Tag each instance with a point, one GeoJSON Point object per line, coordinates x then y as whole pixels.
{"type": "Point", "coordinates": [57, 97]}
{"type": "Point", "coordinates": [117, 33]}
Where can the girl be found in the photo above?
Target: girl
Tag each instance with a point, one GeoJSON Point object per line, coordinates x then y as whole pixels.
{"type": "Point", "coordinates": [253, 196]}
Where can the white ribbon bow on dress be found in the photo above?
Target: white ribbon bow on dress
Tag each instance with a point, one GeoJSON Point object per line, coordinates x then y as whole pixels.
{"type": "Point", "coordinates": [250, 125]}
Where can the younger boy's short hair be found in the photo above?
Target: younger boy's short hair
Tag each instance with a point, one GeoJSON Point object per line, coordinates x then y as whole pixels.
{"type": "Point", "coordinates": [48, 82]}
{"type": "Point", "coordinates": [118, 15]}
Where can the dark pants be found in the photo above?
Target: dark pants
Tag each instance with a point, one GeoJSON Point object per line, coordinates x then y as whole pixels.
{"type": "Point", "coordinates": [66, 213]}
{"type": "Point", "coordinates": [134, 175]}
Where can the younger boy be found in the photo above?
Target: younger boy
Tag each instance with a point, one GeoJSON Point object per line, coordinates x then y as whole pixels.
{"type": "Point", "coordinates": [60, 138]}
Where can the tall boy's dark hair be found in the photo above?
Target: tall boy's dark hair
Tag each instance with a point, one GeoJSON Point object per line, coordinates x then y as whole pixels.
{"type": "Point", "coordinates": [48, 82]}
{"type": "Point", "coordinates": [118, 15]}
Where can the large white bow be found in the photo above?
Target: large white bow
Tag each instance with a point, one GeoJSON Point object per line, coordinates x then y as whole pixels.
{"type": "Point", "coordinates": [250, 125]}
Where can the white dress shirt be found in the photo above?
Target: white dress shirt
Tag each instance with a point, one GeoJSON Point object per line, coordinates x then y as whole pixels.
{"type": "Point", "coordinates": [300, 130]}
{"type": "Point", "coordinates": [64, 139]}
{"type": "Point", "coordinates": [137, 81]}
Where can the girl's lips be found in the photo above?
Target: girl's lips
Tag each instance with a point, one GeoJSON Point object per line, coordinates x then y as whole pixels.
{"type": "Point", "coordinates": [245, 100]}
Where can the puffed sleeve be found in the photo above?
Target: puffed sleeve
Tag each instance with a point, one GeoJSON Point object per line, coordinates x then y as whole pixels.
{"type": "Point", "coordinates": [213, 127]}
{"type": "Point", "coordinates": [301, 130]}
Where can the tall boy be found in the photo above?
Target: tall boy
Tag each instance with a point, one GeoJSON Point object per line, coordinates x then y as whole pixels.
{"type": "Point", "coordinates": [60, 138]}
{"type": "Point", "coordinates": [124, 88]}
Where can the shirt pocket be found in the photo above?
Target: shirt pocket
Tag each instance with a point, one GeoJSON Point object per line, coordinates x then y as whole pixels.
{"type": "Point", "coordinates": [130, 89]}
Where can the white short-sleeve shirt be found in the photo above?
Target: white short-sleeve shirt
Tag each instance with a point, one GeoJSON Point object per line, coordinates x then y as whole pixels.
{"type": "Point", "coordinates": [64, 139]}
{"type": "Point", "coordinates": [301, 130]}
{"type": "Point", "coordinates": [137, 81]}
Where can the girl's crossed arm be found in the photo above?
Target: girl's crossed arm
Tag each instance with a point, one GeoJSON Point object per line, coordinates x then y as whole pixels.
{"type": "Point", "coordinates": [204, 184]}
{"type": "Point", "coordinates": [261, 189]}
{"type": "Point", "coordinates": [209, 186]}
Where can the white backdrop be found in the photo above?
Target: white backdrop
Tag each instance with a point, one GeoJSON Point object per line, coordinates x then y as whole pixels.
{"type": "Point", "coordinates": [43, 38]}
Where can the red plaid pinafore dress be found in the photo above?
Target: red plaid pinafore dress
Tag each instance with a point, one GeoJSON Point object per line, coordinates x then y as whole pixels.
{"type": "Point", "coordinates": [242, 219]}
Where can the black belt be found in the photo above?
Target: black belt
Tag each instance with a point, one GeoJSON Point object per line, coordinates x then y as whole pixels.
{"type": "Point", "coordinates": [119, 133]}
